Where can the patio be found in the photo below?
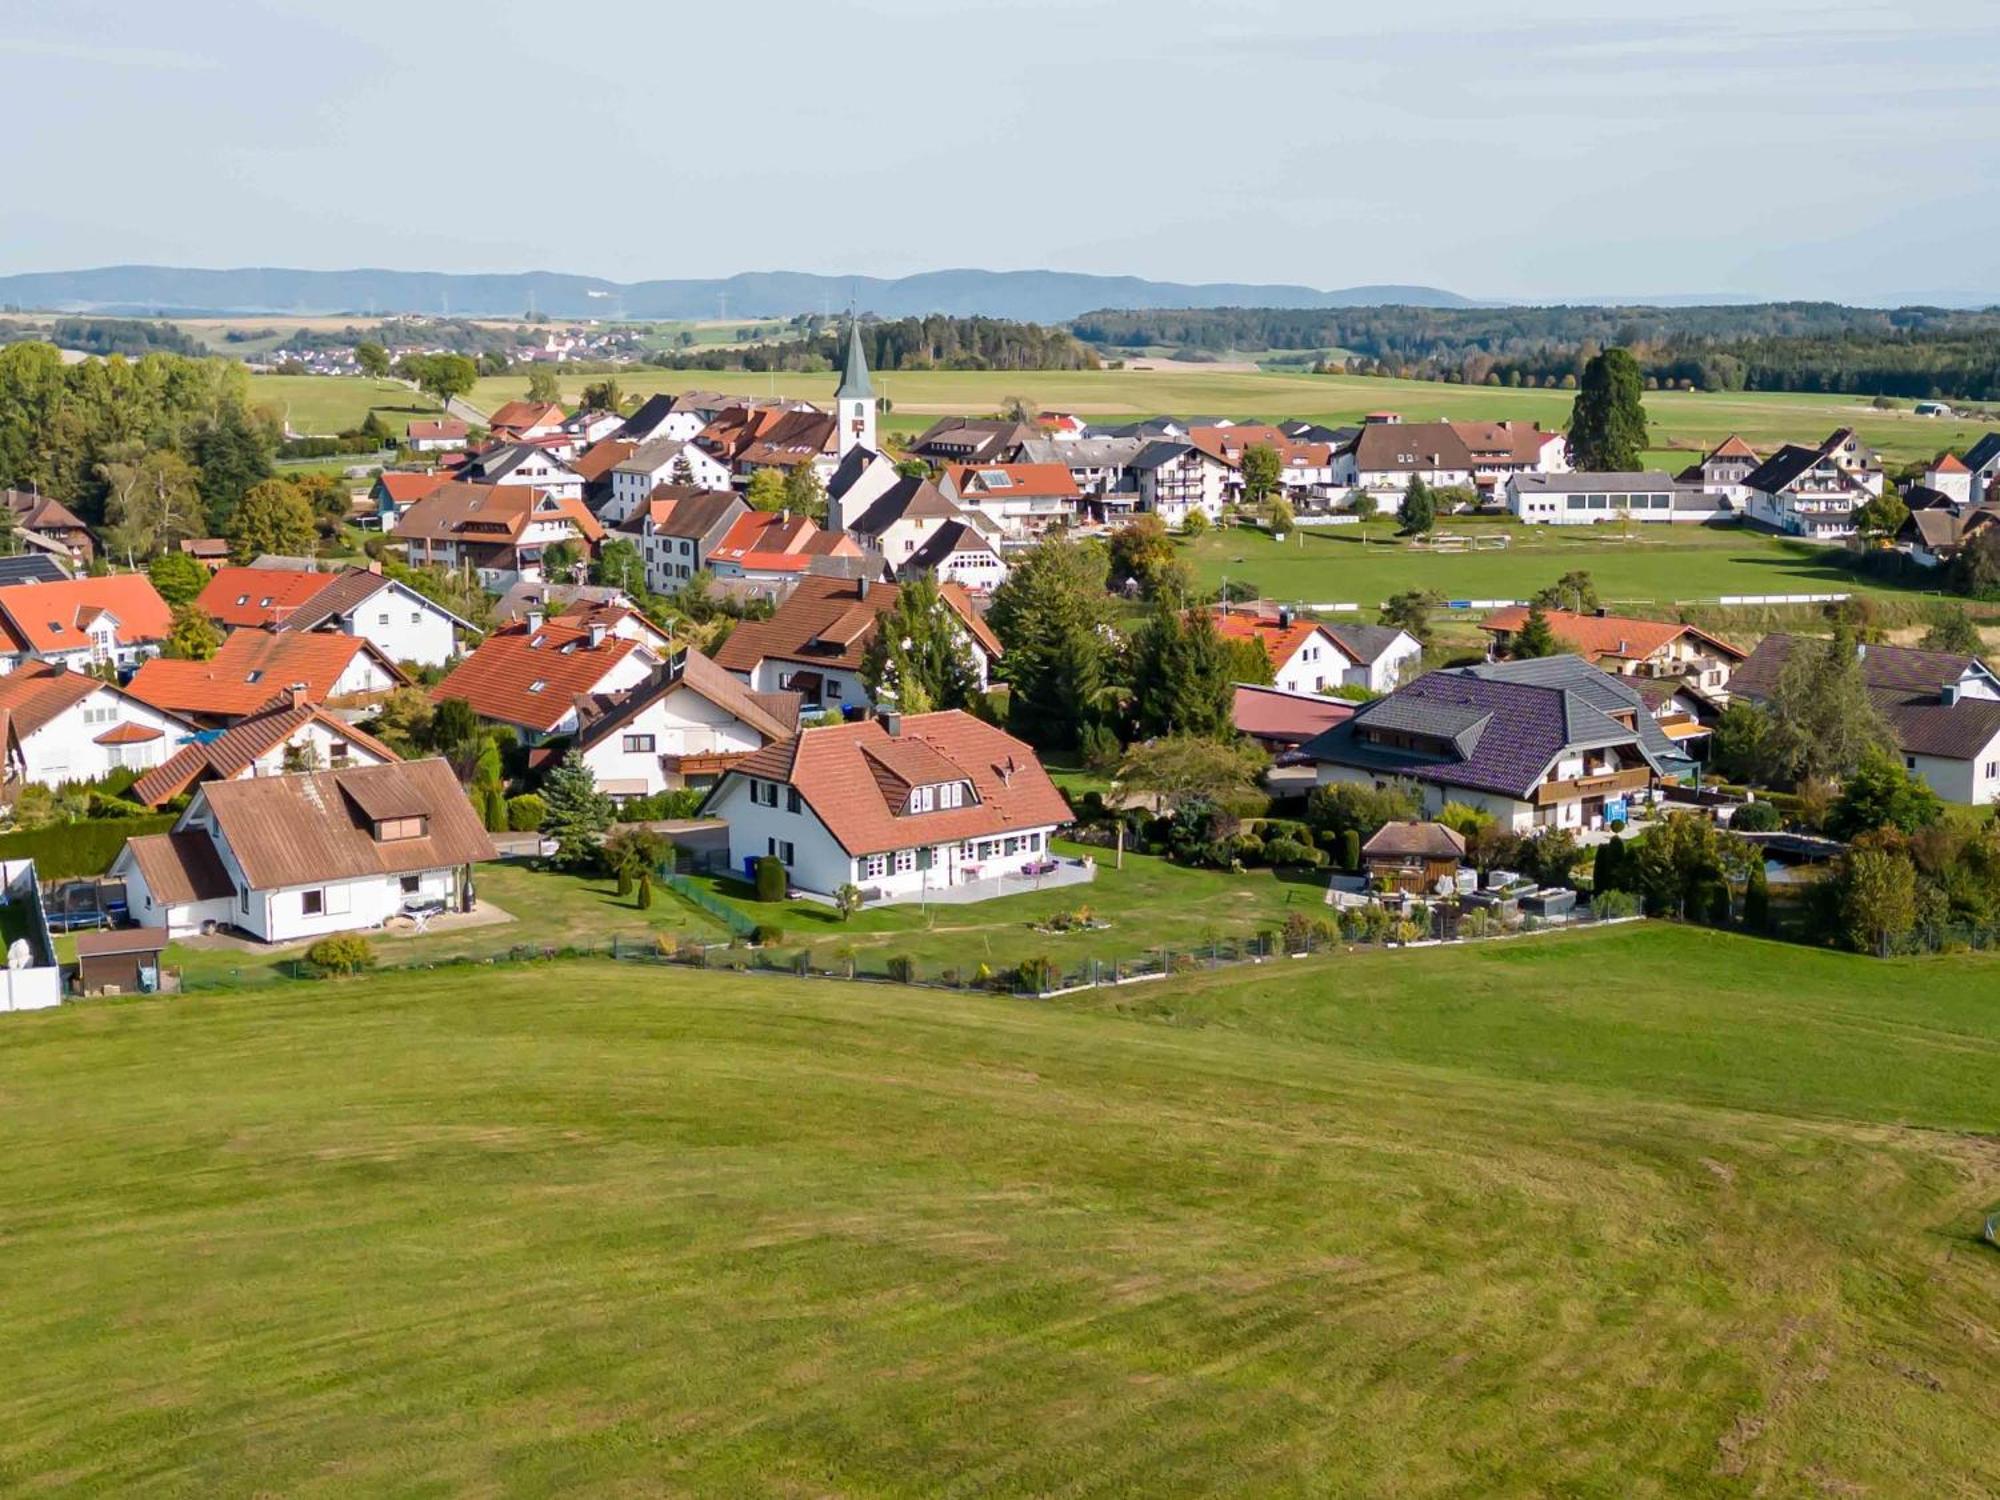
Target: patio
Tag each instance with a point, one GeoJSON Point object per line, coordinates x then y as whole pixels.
{"type": "Point", "coordinates": [1063, 871]}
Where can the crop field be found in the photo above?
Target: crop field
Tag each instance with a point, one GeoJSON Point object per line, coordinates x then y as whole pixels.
{"type": "Point", "coordinates": [1430, 1223]}
{"type": "Point", "coordinates": [1683, 422]}
{"type": "Point", "coordinates": [322, 404]}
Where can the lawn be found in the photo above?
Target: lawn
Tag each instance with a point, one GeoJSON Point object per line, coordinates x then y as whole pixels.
{"type": "Point", "coordinates": [1445, 1222]}
{"type": "Point", "coordinates": [1148, 905]}
{"type": "Point", "coordinates": [1685, 423]}
{"type": "Point", "coordinates": [1652, 565]}
{"type": "Point", "coordinates": [323, 404]}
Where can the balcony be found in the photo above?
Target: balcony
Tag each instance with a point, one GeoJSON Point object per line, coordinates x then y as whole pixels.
{"type": "Point", "coordinates": [701, 762]}
{"type": "Point", "coordinates": [1610, 784]}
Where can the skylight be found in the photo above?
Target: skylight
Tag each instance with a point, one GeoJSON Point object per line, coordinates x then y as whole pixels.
{"type": "Point", "coordinates": [537, 685]}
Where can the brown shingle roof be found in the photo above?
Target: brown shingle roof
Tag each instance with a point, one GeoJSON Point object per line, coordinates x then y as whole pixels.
{"type": "Point", "coordinates": [460, 512]}
{"type": "Point", "coordinates": [180, 867]}
{"type": "Point", "coordinates": [499, 679]}
{"type": "Point", "coordinates": [231, 752]}
{"type": "Point", "coordinates": [855, 777]}
{"type": "Point", "coordinates": [317, 825]}
{"type": "Point", "coordinates": [1415, 840]}
{"type": "Point", "coordinates": [828, 622]}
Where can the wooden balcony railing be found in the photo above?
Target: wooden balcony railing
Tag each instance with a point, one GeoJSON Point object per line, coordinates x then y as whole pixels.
{"type": "Point", "coordinates": [1611, 784]}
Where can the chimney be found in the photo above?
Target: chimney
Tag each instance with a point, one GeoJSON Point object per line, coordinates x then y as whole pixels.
{"type": "Point", "coordinates": [865, 581]}
{"type": "Point", "coordinates": [375, 567]}
{"type": "Point", "coordinates": [892, 720]}
{"type": "Point", "coordinates": [1284, 617]}
{"type": "Point", "coordinates": [596, 634]}
{"type": "Point", "coordinates": [534, 618]}
{"type": "Point", "coordinates": [296, 695]}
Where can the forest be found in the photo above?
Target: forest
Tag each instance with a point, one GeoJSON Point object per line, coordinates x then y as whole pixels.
{"type": "Point", "coordinates": [130, 337]}
{"type": "Point", "coordinates": [1917, 352]}
{"type": "Point", "coordinates": [932, 343]}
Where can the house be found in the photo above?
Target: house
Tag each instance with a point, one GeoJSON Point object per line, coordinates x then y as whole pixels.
{"type": "Point", "coordinates": [498, 531]}
{"type": "Point", "coordinates": [682, 726]}
{"type": "Point", "coordinates": [1282, 721]}
{"type": "Point", "coordinates": [540, 675]}
{"type": "Point", "coordinates": [523, 464]}
{"type": "Point", "coordinates": [1534, 754]}
{"type": "Point", "coordinates": [1500, 450]}
{"type": "Point", "coordinates": [1814, 492]}
{"type": "Point", "coordinates": [678, 529]}
{"type": "Point", "coordinates": [898, 807]}
{"type": "Point", "coordinates": [903, 518]}
{"type": "Point", "coordinates": [394, 492]}
{"type": "Point", "coordinates": [1173, 479]}
{"type": "Point", "coordinates": [674, 418]}
{"type": "Point", "coordinates": [439, 436]}
{"type": "Point", "coordinates": [729, 435]}
{"type": "Point", "coordinates": [61, 726]}
{"type": "Point", "coordinates": [1943, 708]}
{"type": "Point", "coordinates": [971, 440]}
{"type": "Point", "coordinates": [1412, 857]}
{"type": "Point", "coordinates": [255, 666]}
{"type": "Point", "coordinates": [1934, 533]}
{"type": "Point", "coordinates": [583, 428]}
{"type": "Point", "coordinates": [1309, 655]}
{"type": "Point", "coordinates": [1026, 500]}
{"type": "Point", "coordinates": [545, 599]}
{"type": "Point", "coordinates": [1304, 468]}
{"type": "Point", "coordinates": [516, 421]}
{"type": "Point", "coordinates": [594, 465]}
{"type": "Point", "coordinates": [288, 858]}
{"type": "Point", "coordinates": [1982, 463]}
{"type": "Point", "coordinates": [1584, 499]}
{"type": "Point", "coordinates": [815, 642]}
{"type": "Point", "coordinates": [290, 733]}
{"type": "Point", "coordinates": [1626, 699]}
{"type": "Point", "coordinates": [48, 525]}
{"type": "Point", "coordinates": [956, 552]}
{"type": "Point", "coordinates": [1061, 426]}
{"type": "Point", "coordinates": [1721, 473]}
{"type": "Point", "coordinates": [1304, 655]}
{"type": "Point", "coordinates": [1617, 643]}
{"type": "Point", "coordinates": [31, 979]}
{"type": "Point", "coordinates": [661, 463]}
{"type": "Point", "coordinates": [773, 546]}
{"type": "Point", "coordinates": [211, 551]}
{"type": "Point", "coordinates": [31, 567]}
{"type": "Point", "coordinates": [353, 601]}
{"type": "Point", "coordinates": [802, 436]}
{"type": "Point", "coordinates": [862, 477]}
{"type": "Point", "coordinates": [1099, 467]}
{"type": "Point", "coordinates": [82, 622]}
{"type": "Point", "coordinates": [1386, 455]}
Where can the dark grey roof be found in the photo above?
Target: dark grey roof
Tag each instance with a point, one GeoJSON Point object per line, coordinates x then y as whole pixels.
{"type": "Point", "coordinates": [1957, 731]}
{"type": "Point", "coordinates": [1155, 454]}
{"type": "Point", "coordinates": [1983, 452]}
{"type": "Point", "coordinates": [953, 536]}
{"type": "Point", "coordinates": [497, 463]}
{"type": "Point", "coordinates": [1145, 427]}
{"type": "Point", "coordinates": [644, 422]}
{"type": "Point", "coordinates": [1490, 734]}
{"type": "Point", "coordinates": [1903, 668]}
{"type": "Point", "coordinates": [906, 497]}
{"type": "Point", "coordinates": [1363, 642]}
{"type": "Point", "coordinates": [1602, 690]}
{"type": "Point", "coordinates": [854, 380]}
{"type": "Point", "coordinates": [31, 567]}
{"type": "Point", "coordinates": [850, 469]}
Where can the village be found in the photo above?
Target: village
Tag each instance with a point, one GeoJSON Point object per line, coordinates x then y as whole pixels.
{"type": "Point", "coordinates": [753, 644]}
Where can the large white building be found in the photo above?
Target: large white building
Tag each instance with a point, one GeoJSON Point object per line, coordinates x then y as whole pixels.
{"type": "Point", "coordinates": [681, 727]}
{"type": "Point", "coordinates": [63, 726]}
{"type": "Point", "coordinates": [403, 624]}
{"type": "Point", "coordinates": [289, 858]}
{"type": "Point", "coordinates": [897, 809]}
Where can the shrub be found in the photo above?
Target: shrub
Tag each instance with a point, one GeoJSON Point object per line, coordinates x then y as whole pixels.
{"type": "Point", "coordinates": [767, 934]}
{"type": "Point", "coordinates": [1614, 904]}
{"type": "Point", "coordinates": [1037, 975]}
{"type": "Point", "coordinates": [524, 813]}
{"type": "Point", "coordinates": [1756, 817]}
{"type": "Point", "coordinates": [1350, 851]}
{"type": "Point", "coordinates": [61, 850]}
{"type": "Point", "coordinates": [902, 968]}
{"type": "Point", "coordinates": [1098, 747]}
{"type": "Point", "coordinates": [1299, 932]}
{"type": "Point", "coordinates": [343, 953]}
{"type": "Point", "coordinates": [1291, 852]}
{"type": "Point", "coordinates": [770, 878]}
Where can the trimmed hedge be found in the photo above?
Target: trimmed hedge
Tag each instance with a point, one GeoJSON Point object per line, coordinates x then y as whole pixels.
{"type": "Point", "coordinates": [65, 850]}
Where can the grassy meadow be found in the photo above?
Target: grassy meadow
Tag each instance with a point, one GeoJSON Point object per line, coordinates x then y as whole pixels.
{"type": "Point", "coordinates": [1439, 1222]}
{"type": "Point", "coordinates": [322, 404]}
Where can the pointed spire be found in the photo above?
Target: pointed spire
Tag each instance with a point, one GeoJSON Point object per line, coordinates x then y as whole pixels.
{"type": "Point", "coordinates": [854, 383]}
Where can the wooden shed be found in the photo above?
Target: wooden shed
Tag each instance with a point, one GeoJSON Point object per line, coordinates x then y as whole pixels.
{"type": "Point", "coordinates": [1412, 857]}
{"type": "Point", "coordinates": [123, 961]}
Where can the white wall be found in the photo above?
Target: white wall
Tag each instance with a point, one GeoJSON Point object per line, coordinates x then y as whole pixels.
{"type": "Point", "coordinates": [681, 723]}
{"type": "Point", "coordinates": [1316, 663]}
{"type": "Point", "coordinates": [1974, 782]}
{"type": "Point", "coordinates": [405, 625]}
{"type": "Point", "coordinates": [65, 748]}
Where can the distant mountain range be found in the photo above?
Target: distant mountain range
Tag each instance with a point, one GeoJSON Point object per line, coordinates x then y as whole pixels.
{"type": "Point", "coordinates": [1028, 296]}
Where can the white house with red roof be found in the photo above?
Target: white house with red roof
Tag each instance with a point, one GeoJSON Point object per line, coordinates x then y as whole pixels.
{"type": "Point", "coordinates": [683, 726]}
{"type": "Point", "coordinates": [117, 619]}
{"type": "Point", "coordinates": [514, 421]}
{"type": "Point", "coordinates": [353, 601]}
{"type": "Point", "coordinates": [1024, 500]}
{"type": "Point", "coordinates": [61, 726]}
{"type": "Point", "coordinates": [939, 806]}
{"type": "Point", "coordinates": [439, 436]}
{"type": "Point", "coordinates": [777, 547]}
{"type": "Point", "coordinates": [545, 676]}
{"type": "Point", "coordinates": [1311, 656]}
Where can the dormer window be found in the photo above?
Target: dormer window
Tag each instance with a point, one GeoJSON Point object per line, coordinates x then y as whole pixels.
{"type": "Point", "coordinates": [391, 830]}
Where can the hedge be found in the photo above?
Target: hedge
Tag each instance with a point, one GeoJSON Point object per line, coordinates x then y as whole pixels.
{"type": "Point", "coordinates": [63, 850]}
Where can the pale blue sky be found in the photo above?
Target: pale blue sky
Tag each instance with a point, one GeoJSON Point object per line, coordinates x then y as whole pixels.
{"type": "Point", "coordinates": [1528, 149]}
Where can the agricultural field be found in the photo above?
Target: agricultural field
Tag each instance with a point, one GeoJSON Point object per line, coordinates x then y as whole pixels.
{"type": "Point", "coordinates": [323, 404]}
{"type": "Point", "coordinates": [1682, 423]}
{"type": "Point", "coordinates": [1649, 567]}
{"type": "Point", "coordinates": [1430, 1222]}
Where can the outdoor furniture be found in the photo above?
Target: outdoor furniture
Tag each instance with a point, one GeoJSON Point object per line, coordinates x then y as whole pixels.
{"type": "Point", "coordinates": [421, 912]}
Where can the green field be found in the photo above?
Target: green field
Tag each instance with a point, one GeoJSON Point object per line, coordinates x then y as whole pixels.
{"type": "Point", "coordinates": [1651, 566]}
{"type": "Point", "coordinates": [322, 404]}
{"type": "Point", "coordinates": [1689, 422]}
{"type": "Point", "coordinates": [1447, 1222]}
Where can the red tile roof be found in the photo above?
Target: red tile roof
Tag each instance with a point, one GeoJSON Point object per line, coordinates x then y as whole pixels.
{"type": "Point", "coordinates": [239, 597]}
{"type": "Point", "coordinates": [1616, 637]}
{"type": "Point", "coordinates": [36, 692]}
{"type": "Point", "coordinates": [519, 416]}
{"type": "Point", "coordinates": [1267, 713]}
{"type": "Point", "coordinates": [1030, 480]}
{"type": "Point", "coordinates": [51, 617]}
{"type": "Point", "coordinates": [498, 513]}
{"type": "Point", "coordinates": [404, 487]}
{"type": "Point", "coordinates": [1950, 464]}
{"type": "Point", "coordinates": [856, 778]}
{"type": "Point", "coordinates": [252, 668]}
{"type": "Point", "coordinates": [1279, 641]}
{"type": "Point", "coordinates": [1733, 447]}
{"type": "Point", "coordinates": [129, 734]}
{"type": "Point", "coordinates": [828, 622]}
{"type": "Point", "coordinates": [499, 679]}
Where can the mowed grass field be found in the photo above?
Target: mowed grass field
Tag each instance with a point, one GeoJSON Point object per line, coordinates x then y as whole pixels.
{"type": "Point", "coordinates": [1645, 567]}
{"type": "Point", "coordinates": [1646, 1212]}
{"type": "Point", "coordinates": [324, 404]}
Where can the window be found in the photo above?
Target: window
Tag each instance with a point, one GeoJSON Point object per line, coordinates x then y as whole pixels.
{"type": "Point", "coordinates": [906, 861]}
{"type": "Point", "coordinates": [874, 867]}
{"type": "Point", "coordinates": [780, 849]}
{"type": "Point", "coordinates": [389, 830]}
{"type": "Point", "coordinates": [538, 684]}
{"type": "Point", "coordinates": [1910, 762]}
{"type": "Point", "coordinates": [243, 899]}
{"type": "Point", "coordinates": [833, 690]}
{"type": "Point", "coordinates": [416, 617]}
{"type": "Point", "coordinates": [412, 884]}
{"type": "Point", "coordinates": [384, 617]}
{"type": "Point", "coordinates": [920, 799]}
{"type": "Point", "coordinates": [764, 793]}
{"type": "Point", "coordinates": [313, 903]}
{"type": "Point", "coordinates": [638, 744]}
{"type": "Point", "coordinates": [792, 800]}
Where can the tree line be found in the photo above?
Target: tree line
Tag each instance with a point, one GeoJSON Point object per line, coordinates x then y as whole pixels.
{"type": "Point", "coordinates": [931, 343]}
{"type": "Point", "coordinates": [131, 337]}
{"type": "Point", "coordinates": [1914, 352]}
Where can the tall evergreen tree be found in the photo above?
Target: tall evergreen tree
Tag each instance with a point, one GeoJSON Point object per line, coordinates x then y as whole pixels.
{"type": "Point", "coordinates": [576, 813]}
{"type": "Point", "coordinates": [1607, 422]}
{"type": "Point", "coordinates": [1053, 615]}
{"type": "Point", "coordinates": [1823, 723]}
{"type": "Point", "coordinates": [1534, 638]}
{"type": "Point", "coordinates": [1417, 515]}
{"type": "Point", "coordinates": [1180, 674]}
{"type": "Point", "coordinates": [921, 657]}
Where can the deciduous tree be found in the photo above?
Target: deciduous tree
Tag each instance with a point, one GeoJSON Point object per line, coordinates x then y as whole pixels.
{"type": "Point", "coordinates": [921, 656]}
{"type": "Point", "coordinates": [272, 517]}
{"type": "Point", "coordinates": [193, 637]}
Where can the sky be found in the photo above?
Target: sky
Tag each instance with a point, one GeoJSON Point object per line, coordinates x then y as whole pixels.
{"type": "Point", "coordinates": [1527, 150]}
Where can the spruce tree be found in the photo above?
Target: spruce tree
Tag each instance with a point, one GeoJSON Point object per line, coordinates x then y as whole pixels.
{"type": "Point", "coordinates": [575, 814]}
{"type": "Point", "coordinates": [1418, 514]}
{"type": "Point", "coordinates": [1607, 422]}
{"type": "Point", "coordinates": [1534, 638]}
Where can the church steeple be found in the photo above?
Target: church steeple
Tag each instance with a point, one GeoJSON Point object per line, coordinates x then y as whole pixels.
{"type": "Point", "coordinates": [854, 398]}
